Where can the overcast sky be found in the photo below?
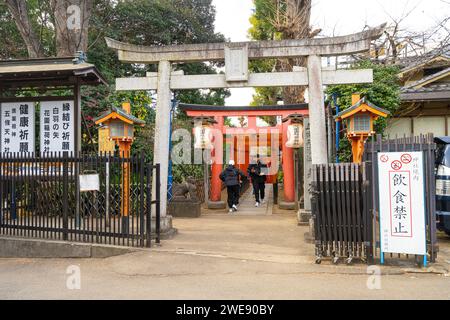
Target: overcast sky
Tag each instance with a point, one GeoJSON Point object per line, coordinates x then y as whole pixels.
{"type": "Point", "coordinates": [333, 17]}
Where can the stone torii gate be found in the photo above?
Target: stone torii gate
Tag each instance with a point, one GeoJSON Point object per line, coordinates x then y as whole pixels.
{"type": "Point", "coordinates": [236, 57]}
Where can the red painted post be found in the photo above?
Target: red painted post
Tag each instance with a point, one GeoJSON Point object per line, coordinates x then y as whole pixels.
{"type": "Point", "coordinates": [288, 168]}
{"type": "Point", "coordinates": [216, 183]}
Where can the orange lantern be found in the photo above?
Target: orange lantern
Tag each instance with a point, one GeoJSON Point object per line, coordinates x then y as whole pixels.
{"type": "Point", "coordinates": [359, 120]}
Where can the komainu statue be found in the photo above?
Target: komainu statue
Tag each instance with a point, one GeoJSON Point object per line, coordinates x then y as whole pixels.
{"type": "Point", "coordinates": [185, 191]}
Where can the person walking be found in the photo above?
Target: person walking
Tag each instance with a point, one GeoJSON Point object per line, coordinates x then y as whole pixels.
{"type": "Point", "coordinates": [232, 176]}
{"type": "Point", "coordinates": [256, 173]}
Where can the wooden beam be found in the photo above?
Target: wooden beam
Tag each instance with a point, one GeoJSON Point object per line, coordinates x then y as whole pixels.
{"type": "Point", "coordinates": [36, 99]}
{"type": "Point", "coordinates": [216, 81]}
{"type": "Point", "coordinates": [249, 113]}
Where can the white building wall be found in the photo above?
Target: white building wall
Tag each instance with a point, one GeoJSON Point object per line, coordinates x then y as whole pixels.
{"type": "Point", "coordinates": [399, 127]}
{"type": "Point", "coordinates": [421, 125]}
{"type": "Point", "coordinates": [424, 125]}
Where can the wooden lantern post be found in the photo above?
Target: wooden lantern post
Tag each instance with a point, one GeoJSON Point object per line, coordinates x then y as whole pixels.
{"type": "Point", "coordinates": [119, 124]}
{"type": "Point", "coordinates": [359, 120]}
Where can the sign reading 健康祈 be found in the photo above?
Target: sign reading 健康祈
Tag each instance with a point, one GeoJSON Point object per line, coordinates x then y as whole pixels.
{"type": "Point", "coordinates": [402, 202]}
{"type": "Point", "coordinates": [17, 127]}
{"type": "Point", "coordinates": [57, 131]}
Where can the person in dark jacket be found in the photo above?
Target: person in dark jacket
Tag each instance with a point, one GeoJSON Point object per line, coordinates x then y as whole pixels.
{"type": "Point", "coordinates": [258, 176]}
{"type": "Point", "coordinates": [232, 177]}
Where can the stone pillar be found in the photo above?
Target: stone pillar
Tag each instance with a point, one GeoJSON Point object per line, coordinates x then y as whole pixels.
{"type": "Point", "coordinates": [319, 150]}
{"type": "Point", "coordinates": [305, 212]}
{"type": "Point", "coordinates": [162, 135]}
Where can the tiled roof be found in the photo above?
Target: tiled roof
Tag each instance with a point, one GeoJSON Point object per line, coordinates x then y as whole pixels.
{"type": "Point", "coordinates": [438, 87]}
{"type": "Point", "coordinates": [122, 113]}
{"type": "Point", "coordinates": [49, 69]}
{"type": "Point", "coordinates": [412, 62]}
{"type": "Point", "coordinates": [358, 104]}
{"type": "Point", "coordinates": [426, 79]}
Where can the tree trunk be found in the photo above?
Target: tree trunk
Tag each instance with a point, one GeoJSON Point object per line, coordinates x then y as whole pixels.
{"type": "Point", "coordinates": [295, 24]}
{"type": "Point", "coordinates": [19, 11]}
{"type": "Point", "coordinates": [71, 25]}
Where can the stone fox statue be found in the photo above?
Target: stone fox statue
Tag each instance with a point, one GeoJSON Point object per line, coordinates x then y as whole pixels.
{"type": "Point", "coordinates": [185, 191]}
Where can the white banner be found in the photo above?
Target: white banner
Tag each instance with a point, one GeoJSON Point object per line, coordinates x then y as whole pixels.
{"type": "Point", "coordinates": [402, 202]}
{"type": "Point", "coordinates": [17, 127]}
{"type": "Point", "coordinates": [57, 130]}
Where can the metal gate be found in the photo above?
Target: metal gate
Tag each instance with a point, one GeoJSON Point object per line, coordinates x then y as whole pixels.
{"type": "Point", "coordinates": [345, 203]}
{"type": "Point", "coordinates": [47, 198]}
{"type": "Point", "coordinates": [342, 221]}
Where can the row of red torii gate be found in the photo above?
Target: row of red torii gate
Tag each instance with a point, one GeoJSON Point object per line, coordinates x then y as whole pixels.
{"type": "Point", "coordinates": [254, 139]}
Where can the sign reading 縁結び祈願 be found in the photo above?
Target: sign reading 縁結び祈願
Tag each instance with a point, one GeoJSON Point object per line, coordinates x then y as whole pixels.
{"type": "Point", "coordinates": [17, 127]}
{"type": "Point", "coordinates": [57, 130]}
{"type": "Point", "coordinates": [402, 202]}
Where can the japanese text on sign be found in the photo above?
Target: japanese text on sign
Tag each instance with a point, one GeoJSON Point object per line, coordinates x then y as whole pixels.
{"type": "Point", "coordinates": [17, 127]}
{"type": "Point", "coordinates": [402, 202]}
{"type": "Point", "coordinates": [57, 132]}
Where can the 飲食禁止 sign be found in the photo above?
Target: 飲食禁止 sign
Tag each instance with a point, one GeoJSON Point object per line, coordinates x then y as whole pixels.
{"type": "Point", "coordinates": [402, 202]}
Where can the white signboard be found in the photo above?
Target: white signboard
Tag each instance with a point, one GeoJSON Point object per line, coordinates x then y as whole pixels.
{"type": "Point", "coordinates": [17, 127]}
{"type": "Point", "coordinates": [402, 202]}
{"type": "Point", "coordinates": [57, 131]}
{"type": "Point", "coordinates": [89, 182]}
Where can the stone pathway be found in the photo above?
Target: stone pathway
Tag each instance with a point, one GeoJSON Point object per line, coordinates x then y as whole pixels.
{"type": "Point", "coordinates": [247, 203]}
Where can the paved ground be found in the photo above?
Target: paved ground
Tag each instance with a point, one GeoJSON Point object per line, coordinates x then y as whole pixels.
{"type": "Point", "coordinates": [247, 203]}
{"type": "Point", "coordinates": [219, 256]}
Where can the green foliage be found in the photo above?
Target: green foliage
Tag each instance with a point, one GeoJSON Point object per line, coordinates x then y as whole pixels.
{"type": "Point", "coordinates": [262, 27]}
{"type": "Point", "coordinates": [143, 22]}
{"type": "Point", "coordinates": [384, 92]}
{"type": "Point", "coordinates": [181, 172]}
{"type": "Point", "coordinates": [345, 150]}
{"type": "Point", "coordinates": [12, 45]}
{"type": "Point", "coordinates": [155, 22]}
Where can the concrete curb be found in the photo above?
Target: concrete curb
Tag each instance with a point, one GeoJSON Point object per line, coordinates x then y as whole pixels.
{"type": "Point", "coordinates": [11, 247]}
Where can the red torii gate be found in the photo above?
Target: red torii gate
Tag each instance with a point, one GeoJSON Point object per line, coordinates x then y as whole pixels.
{"type": "Point", "coordinates": [219, 113]}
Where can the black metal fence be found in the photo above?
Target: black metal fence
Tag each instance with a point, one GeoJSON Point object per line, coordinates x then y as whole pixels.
{"type": "Point", "coordinates": [345, 203]}
{"type": "Point", "coordinates": [340, 201]}
{"type": "Point", "coordinates": [422, 143]}
{"type": "Point", "coordinates": [45, 197]}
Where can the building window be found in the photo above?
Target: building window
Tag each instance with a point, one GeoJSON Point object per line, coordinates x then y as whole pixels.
{"type": "Point", "coordinates": [361, 123]}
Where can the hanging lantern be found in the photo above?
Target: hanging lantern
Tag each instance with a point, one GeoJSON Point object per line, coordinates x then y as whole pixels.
{"type": "Point", "coordinates": [203, 133]}
{"type": "Point", "coordinates": [295, 132]}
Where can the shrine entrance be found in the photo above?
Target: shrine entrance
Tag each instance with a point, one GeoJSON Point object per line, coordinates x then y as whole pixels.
{"type": "Point", "coordinates": [237, 75]}
{"type": "Point", "coordinates": [254, 138]}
